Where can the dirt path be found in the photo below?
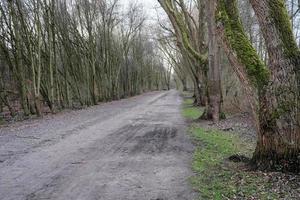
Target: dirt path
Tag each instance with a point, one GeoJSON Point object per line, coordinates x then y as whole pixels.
{"type": "Point", "coordinates": [134, 149]}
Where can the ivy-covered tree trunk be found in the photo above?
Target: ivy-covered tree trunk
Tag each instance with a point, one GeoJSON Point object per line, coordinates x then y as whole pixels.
{"type": "Point", "coordinates": [279, 138]}
{"type": "Point", "coordinates": [278, 110]}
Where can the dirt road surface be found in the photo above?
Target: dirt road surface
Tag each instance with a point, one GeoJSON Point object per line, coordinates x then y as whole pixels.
{"type": "Point", "coordinates": [133, 149]}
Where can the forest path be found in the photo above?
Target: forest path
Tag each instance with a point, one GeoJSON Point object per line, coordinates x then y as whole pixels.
{"type": "Point", "coordinates": [133, 149]}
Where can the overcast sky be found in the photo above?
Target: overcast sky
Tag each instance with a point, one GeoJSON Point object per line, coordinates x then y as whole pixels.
{"type": "Point", "coordinates": [150, 6]}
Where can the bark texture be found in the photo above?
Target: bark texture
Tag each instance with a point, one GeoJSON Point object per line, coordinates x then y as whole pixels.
{"type": "Point", "coordinates": [279, 139]}
{"type": "Point", "coordinates": [214, 71]}
{"type": "Point", "coordinates": [278, 89]}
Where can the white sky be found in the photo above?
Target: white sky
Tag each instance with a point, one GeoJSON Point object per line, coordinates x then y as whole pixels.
{"type": "Point", "coordinates": [150, 7]}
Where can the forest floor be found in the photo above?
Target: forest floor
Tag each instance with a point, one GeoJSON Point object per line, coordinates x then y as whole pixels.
{"type": "Point", "coordinates": [221, 156]}
{"type": "Point", "coordinates": [133, 149]}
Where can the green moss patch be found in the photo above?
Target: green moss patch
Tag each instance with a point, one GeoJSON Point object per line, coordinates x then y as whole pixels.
{"type": "Point", "coordinates": [228, 15]}
{"type": "Point", "coordinates": [281, 19]}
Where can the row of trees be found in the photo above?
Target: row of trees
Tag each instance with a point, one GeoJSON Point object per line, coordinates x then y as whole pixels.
{"type": "Point", "coordinates": [268, 68]}
{"type": "Point", "coordinates": [64, 53]}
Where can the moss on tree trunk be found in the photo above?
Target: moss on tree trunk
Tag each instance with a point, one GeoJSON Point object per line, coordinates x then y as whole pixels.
{"type": "Point", "coordinates": [278, 145]}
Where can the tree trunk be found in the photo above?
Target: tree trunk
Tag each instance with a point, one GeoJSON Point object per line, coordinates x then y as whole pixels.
{"type": "Point", "coordinates": [278, 89]}
{"type": "Point", "coordinates": [184, 84]}
{"type": "Point", "coordinates": [214, 101]}
{"type": "Point", "coordinates": [37, 77]}
{"type": "Point", "coordinates": [278, 143]}
{"type": "Point", "coordinates": [197, 94]}
{"type": "Point", "coordinates": [19, 61]}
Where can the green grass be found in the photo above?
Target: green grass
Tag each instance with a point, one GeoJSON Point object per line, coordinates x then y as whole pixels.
{"type": "Point", "coordinates": [190, 111]}
{"type": "Point", "coordinates": [2, 121]}
{"type": "Point", "coordinates": [215, 176]}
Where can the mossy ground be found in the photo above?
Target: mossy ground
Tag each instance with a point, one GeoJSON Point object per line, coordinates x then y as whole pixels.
{"type": "Point", "coordinates": [215, 176]}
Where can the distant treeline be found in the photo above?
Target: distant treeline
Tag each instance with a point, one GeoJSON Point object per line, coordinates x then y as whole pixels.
{"type": "Point", "coordinates": [61, 54]}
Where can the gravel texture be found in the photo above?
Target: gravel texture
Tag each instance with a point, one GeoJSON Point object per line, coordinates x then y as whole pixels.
{"type": "Point", "coordinates": [133, 149]}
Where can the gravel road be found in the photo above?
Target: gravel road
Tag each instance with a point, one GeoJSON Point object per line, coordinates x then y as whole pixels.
{"type": "Point", "coordinates": [133, 149]}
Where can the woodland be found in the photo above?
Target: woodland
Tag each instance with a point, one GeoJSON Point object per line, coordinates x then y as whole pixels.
{"type": "Point", "coordinates": [59, 54]}
{"type": "Point", "coordinates": [258, 40]}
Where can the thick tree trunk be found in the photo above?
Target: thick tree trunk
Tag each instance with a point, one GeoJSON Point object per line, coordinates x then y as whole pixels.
{"type": "Point", "coordinates": [278, 143]}
{"type": "Point", "coordinates": [278, 124]}
{"type": "Point", "coordinates": [214, 101]}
